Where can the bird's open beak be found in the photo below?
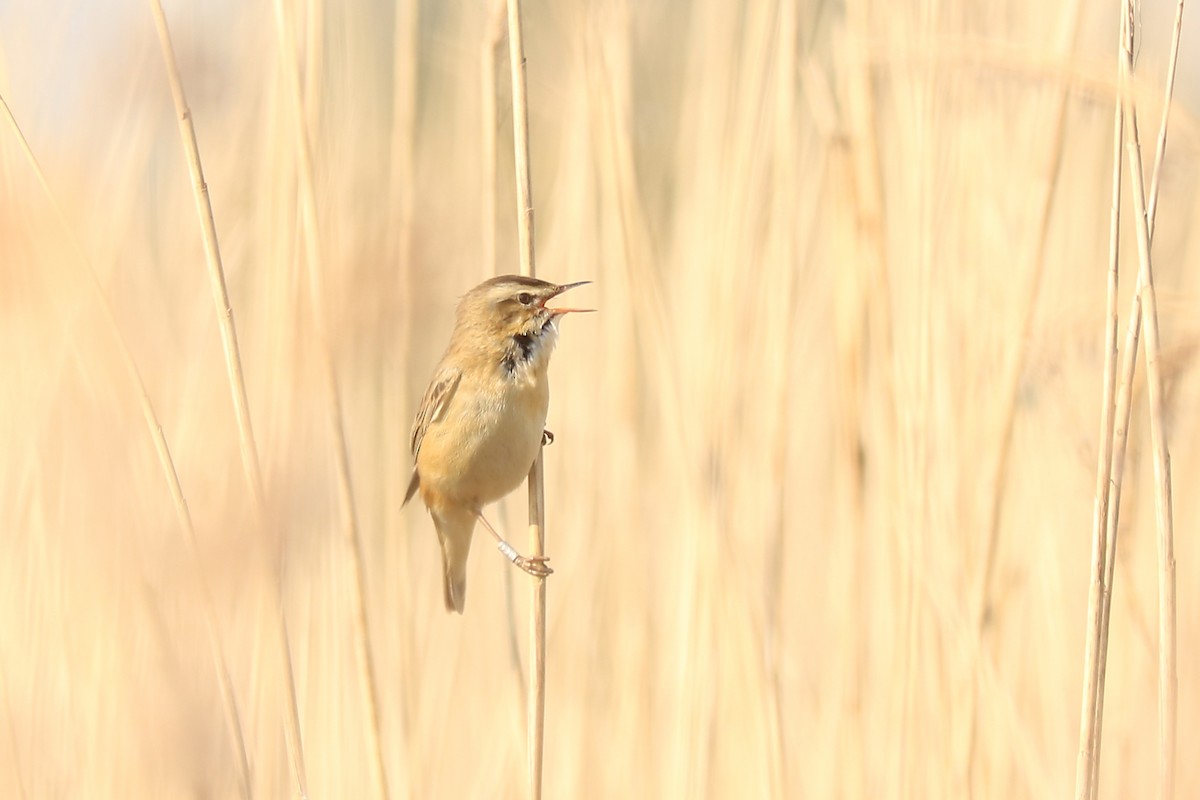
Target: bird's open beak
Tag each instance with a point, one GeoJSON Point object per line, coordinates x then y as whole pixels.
{"type": "Point", "coordinates": [560, 311]}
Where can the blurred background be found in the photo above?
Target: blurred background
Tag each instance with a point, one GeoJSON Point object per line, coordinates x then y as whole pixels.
{"type": "Point", "coordinates": [820, 500]}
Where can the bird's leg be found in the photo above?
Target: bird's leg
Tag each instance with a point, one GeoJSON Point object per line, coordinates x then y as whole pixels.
{"type": "Point", "coordinates": [547, 438]}
{"type": "Point", "coordinates": [534, 565]}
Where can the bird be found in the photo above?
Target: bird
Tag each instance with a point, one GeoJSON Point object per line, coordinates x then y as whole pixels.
{"type": "Point", "coordinates": [482, 420]}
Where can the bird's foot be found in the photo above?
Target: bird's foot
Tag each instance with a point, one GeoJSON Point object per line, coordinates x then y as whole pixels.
{"type": "Point", "coordinates": [547, 438]}
{"type": "Point", "coordinates": [534, 565]}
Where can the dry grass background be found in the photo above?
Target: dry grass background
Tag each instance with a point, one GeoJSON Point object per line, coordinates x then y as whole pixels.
{"type": "Point", "coordinates": [819, 506]}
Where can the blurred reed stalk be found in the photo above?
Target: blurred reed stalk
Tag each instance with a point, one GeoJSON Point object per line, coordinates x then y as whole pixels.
{"type": "Point", "coordinates": [537, 502]}
{"type": "Point", "coordinates": [1110, 474]}
{"type": "Point", "coordinates": [224, 682]}
{"type": "Point", "coordinates": [493, 36]}
{"type": "Point", "coordinates": [780, 313]}
{"type": "Point", "coordinates": [489, 47]}
{"type": "Point", "coordinates": [1017, 364]}
{"type": "Point", "coordinates": [351, 537]}
{"type": "Point", "coordinates": [405, 48]}
{"type": "Point", "coordinates": [237, 384]}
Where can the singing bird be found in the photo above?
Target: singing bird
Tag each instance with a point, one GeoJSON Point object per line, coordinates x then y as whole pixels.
{"type": "Point", "coordinates": [483, 417]}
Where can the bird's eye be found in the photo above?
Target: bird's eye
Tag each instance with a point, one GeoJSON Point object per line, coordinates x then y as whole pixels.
{"type": "Point", "coordinates": [524, 298]}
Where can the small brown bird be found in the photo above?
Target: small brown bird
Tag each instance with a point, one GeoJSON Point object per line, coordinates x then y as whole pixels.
{"type": "Point", "coordinates": [483, 417]}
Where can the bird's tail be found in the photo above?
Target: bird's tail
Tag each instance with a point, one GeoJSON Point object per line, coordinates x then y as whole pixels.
{"type": "Point", "coordinates": [413, 485]}
{"type": "Point", "coordinates": [454, 528]}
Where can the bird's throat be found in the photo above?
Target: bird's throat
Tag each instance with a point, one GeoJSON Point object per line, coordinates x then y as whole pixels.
{"type": "Point", "coordinates": [523, 345]}
{"type": "Point", "coordinates": [529, 349]}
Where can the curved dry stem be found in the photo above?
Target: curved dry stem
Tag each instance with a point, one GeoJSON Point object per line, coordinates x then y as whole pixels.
{"type": "Point", "coordinates": [216, 270]}
{"type": "Point", "coordinates": [167, 464]}
{"type": "Point", "coordinates": [233, 364]}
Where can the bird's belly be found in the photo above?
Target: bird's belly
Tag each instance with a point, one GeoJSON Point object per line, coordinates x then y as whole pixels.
{"type": "Point", "coordinates": [486, 445]}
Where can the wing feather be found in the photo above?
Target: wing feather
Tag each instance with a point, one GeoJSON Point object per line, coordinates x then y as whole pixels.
{"type": "Point", "coordinates": [434, 405]}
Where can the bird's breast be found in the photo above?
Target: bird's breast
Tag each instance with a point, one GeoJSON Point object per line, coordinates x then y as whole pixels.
{"type": "Point", "coordinates": [489, 438]}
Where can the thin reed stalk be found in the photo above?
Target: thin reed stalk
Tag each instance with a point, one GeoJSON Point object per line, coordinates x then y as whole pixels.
{"type": "Point", "coordinates": [237, 383]}
{"type": "Point", "coordinates": [216, 270]}
{"type": "Point", "coordinates": [1032, 289]}
{"type": "Point", "coordinates": [537, 503]}
{"type": "Point", "coordinates": [1168, 680]}
{"type": "Point", "coordinates": [400, 192]}
{"type": "Point", "coordinates": [351, 537]}
{"type": "Point", "coordinates": [783, 198]}
{"type": "Point", "coordinates": [1085, 773]}
{"type": "Point", "coordinates": [167, 464]}
{"type": "Point", "coordinates": [1117, 471]}
{"type": "Point", "coordinates": [1116, 468]}
{"type": "Point", "coordinates": [493, 36]}
{"type": "Point", "coordinates": [489, 46]}
{"type": "Point", "coordinates": [13, 738]}
{"type": "Point", "coordinates": [864, 297]}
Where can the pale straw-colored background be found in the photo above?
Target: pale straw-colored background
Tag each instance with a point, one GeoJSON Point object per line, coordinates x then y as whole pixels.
{"type": "Point", "coordinates": [820, 502]}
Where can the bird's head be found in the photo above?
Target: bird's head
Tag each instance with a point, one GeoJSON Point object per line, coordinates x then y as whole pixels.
{"type": "Point", "coordinates": [510, 306]}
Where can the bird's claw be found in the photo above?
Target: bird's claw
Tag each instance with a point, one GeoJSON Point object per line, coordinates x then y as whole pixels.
{"type": "Point", "coordinates": [547, 438]}
{"type": "Point", "coordinates": [534, 565]}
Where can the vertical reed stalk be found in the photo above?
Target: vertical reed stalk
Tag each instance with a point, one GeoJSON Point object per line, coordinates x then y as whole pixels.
{"type": "Point", "coordinates": [537, 502]}
{"type": "Point", "coordinates": [233, 365]}
{"type": "Point", "coordinates": [493, 37]}
{"type": "Point", "coordinates": [1016, 364]}
{"type": "Point", "coordinates": [1123, 396]}
{"type": "Point", "coordinates": [783, 198]}
{"type": "Point", "coordinates": [1102, 552]}
{"type": "Point", "coordinates": [364, 656]}
{"type": "Point", "coordinates": [1168, 679]}
{"type": "Point", "coordinates": [493, 34]}
{"type": "Point", "coordinates": [1090, 748]}
{"type": "Point", "coordinates": [405, 66]}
